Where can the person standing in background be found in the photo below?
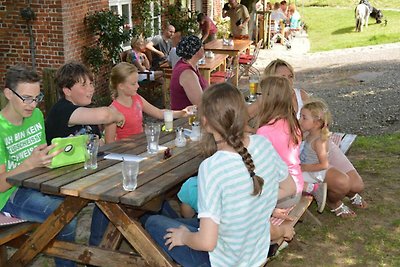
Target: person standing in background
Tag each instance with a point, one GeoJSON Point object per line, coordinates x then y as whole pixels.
{"type": "Point", "coordinates": [239, 16]}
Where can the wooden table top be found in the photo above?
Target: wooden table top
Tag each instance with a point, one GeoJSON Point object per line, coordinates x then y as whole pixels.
{"type": "Point", "coordinates": [218, 46]}
{"type": "Point", "coordinates": [210, 63]}
{"type": "Point", "coordinates": [156, 175]}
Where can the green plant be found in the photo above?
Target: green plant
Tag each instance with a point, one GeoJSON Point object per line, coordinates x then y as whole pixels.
{"type": "Point", "coordinates": [144, 14]}
{"type": "Point", "coordinates": [182, 19]}
{"type": "Point", "coordinates": [110, 33]}
{"type": "Point", "coordinates": [224, 28]}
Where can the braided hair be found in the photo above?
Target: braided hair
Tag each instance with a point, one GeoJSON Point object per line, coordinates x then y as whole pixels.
{"type": "Point", "coordinates": [224, 111]}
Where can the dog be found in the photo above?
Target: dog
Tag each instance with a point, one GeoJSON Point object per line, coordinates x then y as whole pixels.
{"type": "Point", "coordinates": [377, 15]}
{"type": "Point", "coordinates": [361, 14]}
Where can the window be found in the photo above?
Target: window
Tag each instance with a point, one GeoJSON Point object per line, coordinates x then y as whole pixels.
{"type": "Point", "coordinates": [155, 18]}
{"type": "Point", "coordinates": [123, 8]}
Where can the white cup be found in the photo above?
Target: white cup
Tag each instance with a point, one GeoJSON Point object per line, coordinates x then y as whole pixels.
{"type": "Point", "coordinates": [130, 170]}
{"type": "Point", "coordinates": [152, 131]}
{"type": "Point", "coordinates": [168, 120]}
{"type": "Point", "coordinates": [92, 149]}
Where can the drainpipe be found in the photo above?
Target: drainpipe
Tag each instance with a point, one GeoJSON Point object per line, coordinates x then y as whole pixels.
{"type": "Point", "coordinates": [29, 15]}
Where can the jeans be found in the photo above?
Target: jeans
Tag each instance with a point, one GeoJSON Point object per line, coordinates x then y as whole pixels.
{"type": "Point", "coordinates": [32, 205]}
{"type": "Point", "coordinates": [157, 226]}
{"type": "Point", "coordinates": [98, 226]}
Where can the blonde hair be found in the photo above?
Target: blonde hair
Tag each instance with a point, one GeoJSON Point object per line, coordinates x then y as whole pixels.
{"type": "Point", "coordinates": [320, 112]}
{"type": "Point", "coordinates": [225, 111]}
{"type": "Point", "coordinates": [118, 75]}
{"type": "Point", "coordinates": [136, 42]}
{"type": "Point", "coordinates": [273, 65]}
{"type": "Point", "coordinates": [276, 104]}
{"type": "Point", "coordinates": [292, 7]}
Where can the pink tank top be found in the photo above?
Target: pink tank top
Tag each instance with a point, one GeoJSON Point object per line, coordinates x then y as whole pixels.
{"type": "Point", "coordinates": [179, 99]}
{"type": "Point", "coordinates": [133, 117]}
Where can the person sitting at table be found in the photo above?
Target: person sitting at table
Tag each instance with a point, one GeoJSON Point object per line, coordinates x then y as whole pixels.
{"type": "Point", "coordinates": [234, 158]}
{"type": "Point", "coordinates": [208, 28]}
{"type": "Point", "coordinates": [239, 18]}
{"type": "Point", "coordinates": [22, 126]}
{"type": "Point", "coordinates": [187, 85]}
{"type": "Point", "coordinates": [124, 85]}
{"type": "Point", "coordinates": [70, 116]}
{"type": "Point", "coordinates": [294, 18]}
{"type": "Point", "coordinates": [173, 58]}
{"type": "Point", "coordinates": [160, 46]}
{"type": "Point", "coordinates": [136, 57]}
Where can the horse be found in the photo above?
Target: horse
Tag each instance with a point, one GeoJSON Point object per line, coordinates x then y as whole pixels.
{"type": "Point", "coordinates": [361, 14]}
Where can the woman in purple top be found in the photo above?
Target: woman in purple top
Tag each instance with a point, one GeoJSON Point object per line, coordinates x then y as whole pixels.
{"type": "Point", "coordinates": [187, 85]}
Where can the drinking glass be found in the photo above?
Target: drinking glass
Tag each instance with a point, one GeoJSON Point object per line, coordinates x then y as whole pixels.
{"type": "Point", "coordinates": [192, 112]}
{"type": "Point", "coordinates": [92, 149]}
{"type": "Point", "coordinates": [152, 131]}
{"type": "Point", "coordinates": [168, 120]}
{"type": "Point", "coordinates": [130, 170]}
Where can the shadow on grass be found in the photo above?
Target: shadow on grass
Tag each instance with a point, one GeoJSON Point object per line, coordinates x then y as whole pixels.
{"type": "Point", "coordinates": [344, 30]}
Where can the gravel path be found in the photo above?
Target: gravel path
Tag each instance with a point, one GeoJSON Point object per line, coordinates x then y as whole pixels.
{"type": "Point", "coordinates": [361, 85]}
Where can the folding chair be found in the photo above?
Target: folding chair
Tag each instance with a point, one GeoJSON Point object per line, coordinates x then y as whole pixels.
{"type": "Point", "coordinates": [246, 62]}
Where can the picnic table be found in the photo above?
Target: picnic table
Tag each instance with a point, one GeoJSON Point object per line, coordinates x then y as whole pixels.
{"type": "Point", "coordinates": [238, 47]}
{"type": "Point", "coordinates": [157, 178]}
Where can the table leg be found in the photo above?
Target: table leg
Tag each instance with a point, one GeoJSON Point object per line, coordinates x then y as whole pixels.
{"type": "Point", "coordinates": [47, 231]}
{"type": "Point", "coordinates": [136, 235]}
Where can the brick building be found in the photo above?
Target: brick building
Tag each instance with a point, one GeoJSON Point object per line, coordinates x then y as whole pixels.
{"type": "Point", "coordinates": [58, 34]}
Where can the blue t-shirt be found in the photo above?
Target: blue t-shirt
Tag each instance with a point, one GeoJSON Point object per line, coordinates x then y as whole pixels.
{"type": "Point", "coordinates": [188, 193]}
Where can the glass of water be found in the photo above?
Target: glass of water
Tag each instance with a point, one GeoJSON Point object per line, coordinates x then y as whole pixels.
{"type": "Point", "coordinates": [130, 170]}
{"type": "Point", "coordinates": [152, 131]}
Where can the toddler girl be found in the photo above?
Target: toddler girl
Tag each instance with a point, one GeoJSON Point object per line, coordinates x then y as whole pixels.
{"type": "Point", "coordinates": [322, 160]}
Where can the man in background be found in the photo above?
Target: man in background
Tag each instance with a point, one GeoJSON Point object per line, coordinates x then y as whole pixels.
{"type": "Point", "coordinates": [239, 18]}
{"type": "Point", "coordinates": [160, 46]}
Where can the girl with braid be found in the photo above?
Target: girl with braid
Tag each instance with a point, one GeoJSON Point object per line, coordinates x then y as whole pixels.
{"type": "Point", "coordinates": [238, 187]}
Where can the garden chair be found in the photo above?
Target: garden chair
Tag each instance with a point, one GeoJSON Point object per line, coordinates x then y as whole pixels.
{"type": "Point", "coordinates": [224, 76]}
{"type": "Point", "coordinates": [278, 33]}
{"type": "Point", "coordinates": [246, 61]}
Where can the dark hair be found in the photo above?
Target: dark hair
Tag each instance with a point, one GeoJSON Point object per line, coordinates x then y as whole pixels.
{"type": "Point", "coordinates": [71, 73]}
{"type": "Point", "coordinates": [283, 2]}
{"type": "Point", "coordinates": [225, 111]}
{"type": "Point", "coordinates": [20, 74]}
{"type": "Point", "coordinates": [200, 16]}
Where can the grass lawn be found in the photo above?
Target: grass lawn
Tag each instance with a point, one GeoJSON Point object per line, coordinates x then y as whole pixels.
{"type": "Point", "coordinates": [371, 239]}
{"type": "Point", "coordinates": [333, 28]}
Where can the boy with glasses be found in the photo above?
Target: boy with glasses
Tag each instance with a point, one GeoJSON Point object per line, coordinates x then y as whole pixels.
{"type": "Point", "coordinates": [22, 148]}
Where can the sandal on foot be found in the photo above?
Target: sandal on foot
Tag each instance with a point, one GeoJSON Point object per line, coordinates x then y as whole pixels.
{"type": "Point", "coordinates": [358, 201]}
{"type": "Point", "coordinates": [344, 211]}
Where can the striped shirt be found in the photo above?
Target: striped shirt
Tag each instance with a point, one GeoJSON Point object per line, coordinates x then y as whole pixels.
{"type": "Point", "coordinates": [225, 188]}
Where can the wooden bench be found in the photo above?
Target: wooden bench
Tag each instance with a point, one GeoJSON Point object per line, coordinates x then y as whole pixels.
{"type": "Point", "coordinates": [9, 233]}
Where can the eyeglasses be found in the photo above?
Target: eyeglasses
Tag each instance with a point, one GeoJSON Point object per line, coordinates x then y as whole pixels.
{"type": "Point", "coordinates": [29, 100]}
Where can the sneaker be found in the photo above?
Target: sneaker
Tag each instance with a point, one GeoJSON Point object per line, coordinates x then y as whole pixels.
{"type": "Point", "coordinates": [320, 196]}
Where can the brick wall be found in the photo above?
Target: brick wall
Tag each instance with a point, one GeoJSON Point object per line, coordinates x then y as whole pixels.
{"type": "Point", "coordinates": [58, 30]}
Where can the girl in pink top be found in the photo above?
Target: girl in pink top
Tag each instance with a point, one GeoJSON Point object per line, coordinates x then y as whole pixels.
{"type": "Point", "coordinates": [124, 83]}
{"type": "Point", "coordinates": [278, 122]}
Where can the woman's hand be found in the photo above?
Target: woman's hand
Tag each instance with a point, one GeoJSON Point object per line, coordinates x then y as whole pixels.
{"type": "Point", "coordinates": [175, 236]}
{"type": "Point", "coordinates": [41, 157]}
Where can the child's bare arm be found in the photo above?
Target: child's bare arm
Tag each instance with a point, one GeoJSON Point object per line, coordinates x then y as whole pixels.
{"type": "Point", "coordinates": [187, 211]}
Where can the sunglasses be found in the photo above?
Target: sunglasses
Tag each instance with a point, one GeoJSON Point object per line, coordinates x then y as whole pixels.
{"type": "Point", "coordinates": [29, 100]}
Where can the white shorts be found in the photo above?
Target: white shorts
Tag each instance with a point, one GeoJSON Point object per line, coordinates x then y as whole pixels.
{"type": "Point", "coordinates": [314, 177]}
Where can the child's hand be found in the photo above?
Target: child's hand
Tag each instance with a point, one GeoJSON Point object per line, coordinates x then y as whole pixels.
{"type": "Point", "coordinates": [40, 156]}
{"type": "Point", "coordinates": [189, 110]}
{"type": "Point", "coordinates": [281, 214]}
{"type": "Point", "coordinates": [287, 232]}
{"type": "Point", "coordinates": [174, 236]}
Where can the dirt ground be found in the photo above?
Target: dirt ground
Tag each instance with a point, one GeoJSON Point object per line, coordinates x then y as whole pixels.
{"type": "Point", "coordinates": [362, 87]}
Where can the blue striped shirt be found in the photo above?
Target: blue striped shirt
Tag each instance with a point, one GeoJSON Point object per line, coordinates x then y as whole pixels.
{"type": "Point", "coordinates": [225, 189]}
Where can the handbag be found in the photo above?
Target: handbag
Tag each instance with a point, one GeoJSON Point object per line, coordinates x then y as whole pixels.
{"type": "Point", "coordinates": [73, 148]}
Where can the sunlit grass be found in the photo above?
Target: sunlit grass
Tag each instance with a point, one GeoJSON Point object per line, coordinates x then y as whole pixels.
{"type": "Point", "coordinates": [333, 28]}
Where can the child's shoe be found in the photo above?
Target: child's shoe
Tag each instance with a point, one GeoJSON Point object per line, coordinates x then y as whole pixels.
{"type": "Point", "coordinates": [320, 193]}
